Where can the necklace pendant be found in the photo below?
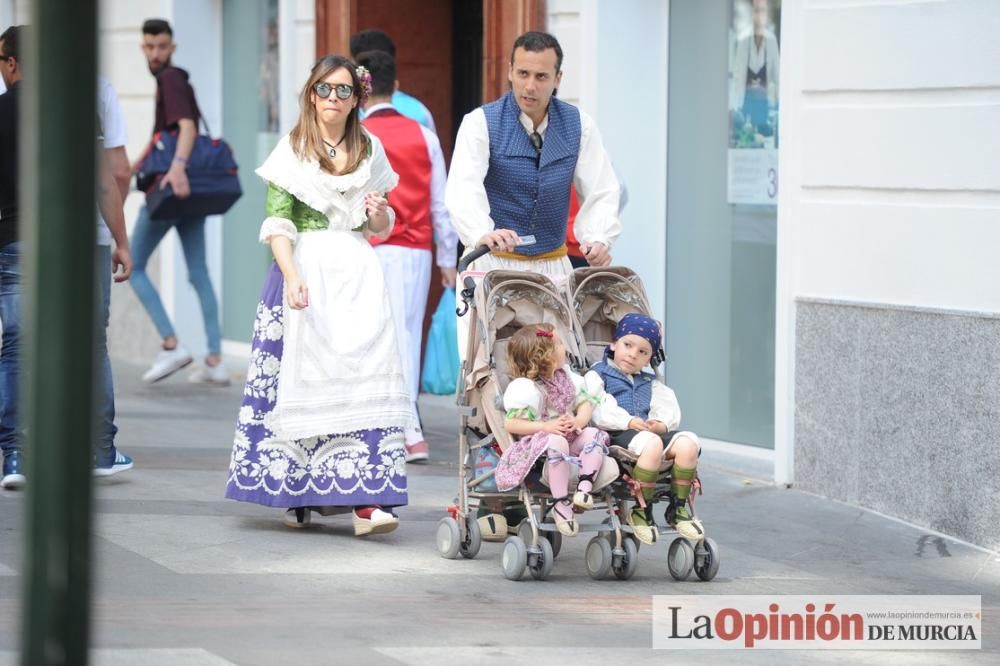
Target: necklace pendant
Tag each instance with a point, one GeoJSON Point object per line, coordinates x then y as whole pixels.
{"type": "Point", "coordinates": [333, 153]}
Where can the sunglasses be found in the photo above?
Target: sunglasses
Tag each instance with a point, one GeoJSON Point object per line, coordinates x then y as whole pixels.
{"type": "Point", "coordinates": [323, 90]}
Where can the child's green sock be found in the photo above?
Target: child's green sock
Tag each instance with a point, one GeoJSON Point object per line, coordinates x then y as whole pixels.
{"type": "Point", "coordinates": [681, 490]}
{"type": "Point", "coordinates": [646, 476]}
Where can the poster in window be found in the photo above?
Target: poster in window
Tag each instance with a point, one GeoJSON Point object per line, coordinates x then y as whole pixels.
{"type": "Point", "coordinates": [754, 57]}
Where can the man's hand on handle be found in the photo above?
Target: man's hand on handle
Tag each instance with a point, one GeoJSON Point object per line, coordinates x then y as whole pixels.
{"type": "Point", "coordinates": [503, 240]}
{"type": "Point", "coordinates": [596, 254]}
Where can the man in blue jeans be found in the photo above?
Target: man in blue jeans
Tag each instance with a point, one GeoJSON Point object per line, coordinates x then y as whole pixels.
{"type": "Point", "coordinates": [176, 110]}
{"type": "Point", "coordinates": [10, 254]}
{"type": "Point", "coordinates": [108, 460]}
{"type": "Point", "coordinates": [113, 264]}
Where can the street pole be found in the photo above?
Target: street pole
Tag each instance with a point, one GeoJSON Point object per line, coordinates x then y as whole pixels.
{"type": "Point", "coordinates": [58, 158]}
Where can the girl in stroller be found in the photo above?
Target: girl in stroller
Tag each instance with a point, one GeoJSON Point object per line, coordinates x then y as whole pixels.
{"type": "Point", "coordinates": [549, 406]}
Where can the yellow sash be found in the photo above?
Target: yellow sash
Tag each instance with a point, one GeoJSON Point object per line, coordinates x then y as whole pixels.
{"type": "Point", "coordinates": [560, 251]}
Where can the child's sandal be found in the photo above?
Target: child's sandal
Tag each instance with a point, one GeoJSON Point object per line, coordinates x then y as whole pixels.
{"type": "Point", "coordinates": [583, 500]}
{"type": "Point", "coordinates": [566, 526]}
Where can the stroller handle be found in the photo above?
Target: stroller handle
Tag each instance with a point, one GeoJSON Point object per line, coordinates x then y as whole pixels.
{"type": "Point", "coordinates": [469, 292]}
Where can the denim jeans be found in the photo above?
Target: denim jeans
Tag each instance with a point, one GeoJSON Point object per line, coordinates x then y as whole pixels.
{"type": "Point", "coordinates": [10, 361]}
{"type": "Point", "coordinates": [145, 237]}
{"type": "Point", "coordinates": [104, 400]}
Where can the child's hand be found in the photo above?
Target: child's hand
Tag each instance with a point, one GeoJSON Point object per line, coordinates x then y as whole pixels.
{"type": "Point", "coordinates": [637, 424]}
{"type": "Point", "coordinates": [556, 426]}
{"type": "Point", "coordinates": [568, 424]}
{"type": "Point", "coordinates": [659, 427]}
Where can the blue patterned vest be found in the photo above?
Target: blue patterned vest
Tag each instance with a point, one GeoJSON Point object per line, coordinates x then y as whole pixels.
{"type": "Point", "coordinates": [633, 394]}
{"type": "Point", "coordinates": [528, 199]}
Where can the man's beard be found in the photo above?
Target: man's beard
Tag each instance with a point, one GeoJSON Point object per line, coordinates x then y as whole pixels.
{"type": "Point", "coordinates": [154, 72]}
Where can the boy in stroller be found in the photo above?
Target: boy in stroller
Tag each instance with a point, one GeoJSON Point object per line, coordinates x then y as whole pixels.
{"type": "Point", "coordinates": [641, 414]}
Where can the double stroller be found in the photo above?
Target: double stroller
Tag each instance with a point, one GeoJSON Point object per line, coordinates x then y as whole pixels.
{"type": "Point", "coordinates": [584, 312]}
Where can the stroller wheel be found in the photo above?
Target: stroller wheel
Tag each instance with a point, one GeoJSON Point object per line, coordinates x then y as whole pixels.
{"type": "Point", "coordinates": [469, 547]}
{"type": "Point", "coordinates": [448, 538]}
{"type": "Point", "coordinates": [540, 565]}
{"type": "Point", "coordinates": [624, 566]}
{"type": "Point", "coordinates": [513, 558]}
{"type": "Point", "coordinates": [598, 557]}
{"type": "Point", "coordinates": [680, 558]}
{"type": "Point", "coordinates": [706, 559]}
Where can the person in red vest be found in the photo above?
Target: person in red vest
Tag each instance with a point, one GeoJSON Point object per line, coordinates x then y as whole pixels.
{"type": "Point", "coordinates": [573, 251]}
{"type": "Point", "coordinates": [421, 218]}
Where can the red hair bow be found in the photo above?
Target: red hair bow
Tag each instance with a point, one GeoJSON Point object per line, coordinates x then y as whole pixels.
{"type": "Point", "coordinates": [542, 333]}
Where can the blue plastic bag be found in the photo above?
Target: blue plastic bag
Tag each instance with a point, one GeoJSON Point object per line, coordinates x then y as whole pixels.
{"type": "Point", "coordinates": [441, 359]}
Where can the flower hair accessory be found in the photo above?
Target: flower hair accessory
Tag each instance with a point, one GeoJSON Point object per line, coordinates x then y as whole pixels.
{"type": "Point", "coordinates": [542, 333]}
{"type": "Point", "coordinates": [365, 78]}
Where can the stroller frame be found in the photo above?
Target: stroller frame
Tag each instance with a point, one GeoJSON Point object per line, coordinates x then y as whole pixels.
{"type": "Point", "coordinates": [614, 548]}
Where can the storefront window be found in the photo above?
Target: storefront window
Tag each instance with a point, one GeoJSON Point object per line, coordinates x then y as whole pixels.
{"type": "Point", "coordinates": [721, 216]}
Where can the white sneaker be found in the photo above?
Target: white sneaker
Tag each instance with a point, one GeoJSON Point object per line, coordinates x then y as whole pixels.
{"type": "Point", "coordinates": [167, 362]}
{"type": "Point", "coordinates": [215, 375]}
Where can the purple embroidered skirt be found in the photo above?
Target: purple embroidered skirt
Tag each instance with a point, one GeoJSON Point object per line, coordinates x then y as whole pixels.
{"type": "Point", "coordinates": [339, 469]}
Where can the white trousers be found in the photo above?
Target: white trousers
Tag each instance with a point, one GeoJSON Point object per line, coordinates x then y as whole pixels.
{"type": "Point", "coordinates": [408, 278]}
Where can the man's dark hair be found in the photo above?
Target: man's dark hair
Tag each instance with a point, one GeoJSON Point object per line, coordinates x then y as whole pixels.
{"type": "Point", "coordinates": [12, 43]}
{"type": "Point", "coordinates": [382, 67]}
{"type": "Point", "coordinates": [536, 42]}
{"type": "Point", "coordinates": [372, 40]}
{"type": "Point", "coordinates": [156, 27]}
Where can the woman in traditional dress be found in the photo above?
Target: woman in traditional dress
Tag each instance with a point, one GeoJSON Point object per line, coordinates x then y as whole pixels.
{"type": "Point", "coordinates": [320, 427]}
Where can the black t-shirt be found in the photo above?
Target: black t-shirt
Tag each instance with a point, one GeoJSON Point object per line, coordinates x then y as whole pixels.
{"type": "Point", "coordinates": [8, 164]}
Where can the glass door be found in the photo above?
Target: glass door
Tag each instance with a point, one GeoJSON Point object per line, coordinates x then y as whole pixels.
{"type": "Point", "coordinates": [721, 217]}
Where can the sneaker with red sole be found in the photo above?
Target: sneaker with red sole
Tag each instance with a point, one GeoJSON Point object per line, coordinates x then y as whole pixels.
{"type": "Point", "coordinates": [418, 452]}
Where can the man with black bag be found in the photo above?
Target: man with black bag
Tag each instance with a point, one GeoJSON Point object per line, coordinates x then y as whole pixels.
{"type": "Point", "coordinates": [176, 109]}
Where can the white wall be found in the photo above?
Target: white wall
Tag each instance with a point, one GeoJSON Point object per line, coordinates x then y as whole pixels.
{"type": "Point", "coordinates": [615, 69]}
{"type": "Point", "coordinates": [890, 188]}
{"type": "Point", "coordinates": [900, 178]}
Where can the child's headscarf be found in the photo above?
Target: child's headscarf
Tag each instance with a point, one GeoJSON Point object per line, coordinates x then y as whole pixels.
{"type": "Point", "coordinates": [644, 327]}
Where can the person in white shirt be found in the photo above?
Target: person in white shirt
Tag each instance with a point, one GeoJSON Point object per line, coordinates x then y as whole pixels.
{"type": "Point", "coordinates": [421, 220]}
{"type": "Point", "coordinates": [516, 160]}
{"type": "Point", "coordinates": [112, 264]}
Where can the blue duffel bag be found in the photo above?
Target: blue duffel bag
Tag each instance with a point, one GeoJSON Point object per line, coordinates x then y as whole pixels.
{"type": "Point", "coordinates": [211, 172]}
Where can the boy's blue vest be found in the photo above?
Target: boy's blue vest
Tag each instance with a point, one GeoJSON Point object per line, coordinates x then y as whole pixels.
{"type": "Point", "coordinates": [633, 394]}
{"type": "Point", "coordinates": [530, 199]}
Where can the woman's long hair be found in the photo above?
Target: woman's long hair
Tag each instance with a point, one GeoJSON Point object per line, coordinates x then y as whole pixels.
{"type": "Point", "coordinates": [306, 139]}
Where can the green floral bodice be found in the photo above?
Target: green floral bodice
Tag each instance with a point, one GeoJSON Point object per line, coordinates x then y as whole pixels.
{"type": "Point", "coordinates": [281, 203]}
